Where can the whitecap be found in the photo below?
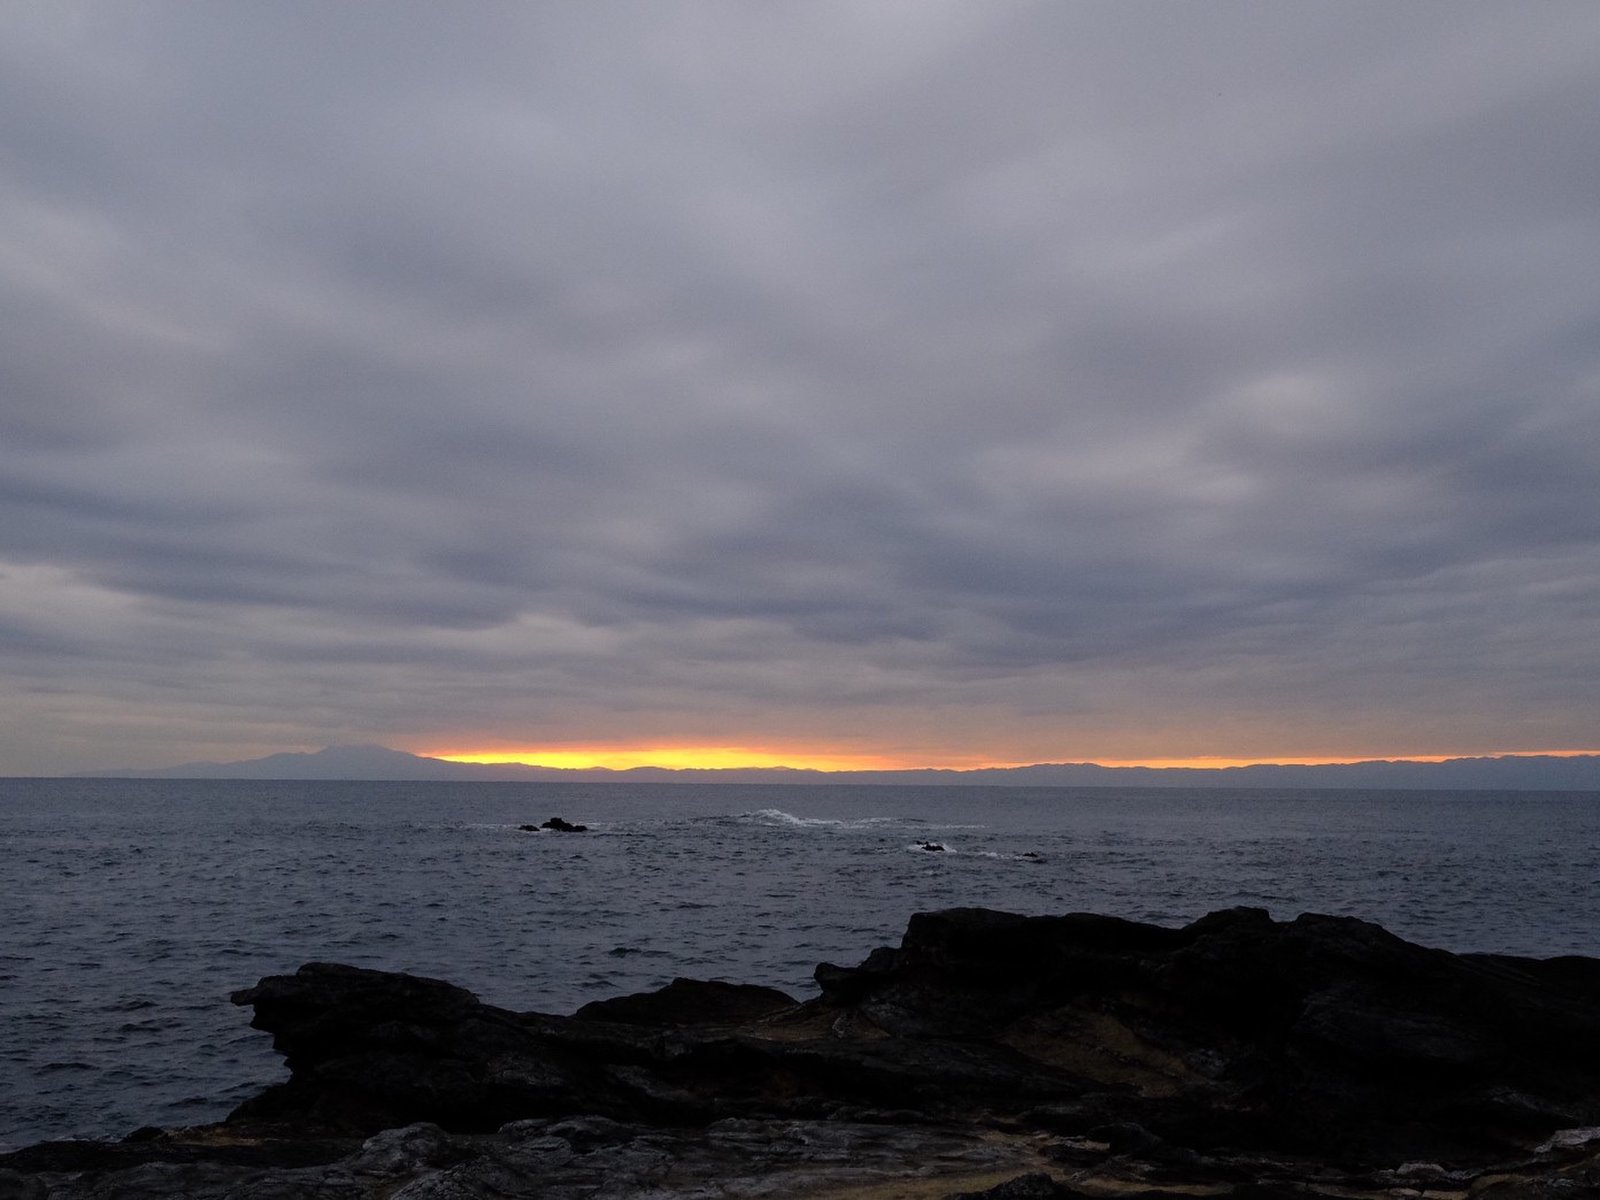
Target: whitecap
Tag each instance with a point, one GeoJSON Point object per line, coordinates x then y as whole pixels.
{"type": "Point", "coordinates": [777, 817]}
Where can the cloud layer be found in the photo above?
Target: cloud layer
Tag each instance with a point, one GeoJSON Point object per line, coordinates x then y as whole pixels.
{"type": "Point", "coordinates": [958, 382]}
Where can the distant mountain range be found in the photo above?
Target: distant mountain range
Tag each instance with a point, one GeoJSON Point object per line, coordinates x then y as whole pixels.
{"type": "Point", "coordinates": [1522, 772]}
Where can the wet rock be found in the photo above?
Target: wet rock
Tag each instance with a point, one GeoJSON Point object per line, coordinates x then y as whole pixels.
{"type": "Point", "coordinates": [561, 825]}
{"type": "Point", "coordinates": [567, 1161]}
{"type": "Point", "coordinates": [1037, 1186]}
{"type": "Point", "coordinates": [405, 1150]}
{"type": "Point", "coordinates": [1567, 1139]}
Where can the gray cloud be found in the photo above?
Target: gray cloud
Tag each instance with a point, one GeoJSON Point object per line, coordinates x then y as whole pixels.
{"type": "Point", "coordinates": [1018, 380]}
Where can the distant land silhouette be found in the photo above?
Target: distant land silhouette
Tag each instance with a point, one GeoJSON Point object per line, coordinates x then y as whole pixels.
{"type": "Point", "coordinates": [1519, 772]}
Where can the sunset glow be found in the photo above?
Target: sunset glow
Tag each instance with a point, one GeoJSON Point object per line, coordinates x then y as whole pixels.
{"type": "Point", "coordinates": [620, 758]}
{"type": "Point", "coordinates": [705, 758]}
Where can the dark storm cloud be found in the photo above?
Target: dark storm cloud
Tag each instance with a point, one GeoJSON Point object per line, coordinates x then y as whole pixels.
{"type": "Point", "coordinates": [1102, 379]}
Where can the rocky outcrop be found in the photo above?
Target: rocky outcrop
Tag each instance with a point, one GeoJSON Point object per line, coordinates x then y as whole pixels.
{"type": "Point", "coordinates": [562, 825]}
{"type": "Point", "coordinates": [554, 825]}
{"type": "Point", "coordinates": [989, 1054]}
{"type": "Point", "coordinates": [692, 1002]}
{"type": "Point", "coordinates": [1323, 1035]}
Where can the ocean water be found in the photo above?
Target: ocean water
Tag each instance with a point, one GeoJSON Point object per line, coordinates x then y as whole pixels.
{"type": "Point", "coordinates": [129, 910]}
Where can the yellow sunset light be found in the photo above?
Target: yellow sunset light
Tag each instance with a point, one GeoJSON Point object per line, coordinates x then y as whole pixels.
{"type": "Point", "coordinates": [694, 757]}
{"type": "Point", "coordinates": [619, 758]}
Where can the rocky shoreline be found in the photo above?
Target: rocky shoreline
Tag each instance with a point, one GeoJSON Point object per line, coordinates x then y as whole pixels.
{"type": "Point", "coordinates": [993, 1054]}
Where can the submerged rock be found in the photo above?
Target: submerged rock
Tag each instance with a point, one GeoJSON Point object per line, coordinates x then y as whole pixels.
{"type": "Point", "coordinates": [999, 1054]}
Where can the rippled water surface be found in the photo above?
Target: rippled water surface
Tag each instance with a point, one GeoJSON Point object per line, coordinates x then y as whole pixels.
{"type": "Point", "coordinates": [130, 909]}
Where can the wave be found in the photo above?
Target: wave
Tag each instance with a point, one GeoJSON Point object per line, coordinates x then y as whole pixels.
{"type": "Point", "coordinates": [942, 849]}
{"type": "Point", "coordinates": [777, 818]}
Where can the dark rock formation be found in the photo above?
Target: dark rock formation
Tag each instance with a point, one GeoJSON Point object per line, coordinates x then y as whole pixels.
{"type": "Point", "coordinates": [1323, 1035]}
{"type": "Point", "coordinates": [562, 825]}
{"type": "Point", "coordinates": [989, 1054]}
{"type": "Point", "coordinates": [692, 1002]}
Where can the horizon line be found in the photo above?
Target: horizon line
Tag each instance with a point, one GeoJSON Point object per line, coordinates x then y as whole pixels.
{"type": "Point", "coordinates": [817, 767]}
{"type": "Point", "coordinates": [842, 764]}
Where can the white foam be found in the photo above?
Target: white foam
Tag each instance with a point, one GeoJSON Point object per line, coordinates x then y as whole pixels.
{"type": "Point", "coordinates": [776, 816]}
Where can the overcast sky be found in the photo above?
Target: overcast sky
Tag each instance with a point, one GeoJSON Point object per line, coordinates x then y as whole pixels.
{"type": "Point", "coordinates": [950, 382]}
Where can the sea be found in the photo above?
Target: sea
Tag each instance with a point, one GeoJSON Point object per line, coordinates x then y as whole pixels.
{"type": "Point", "coordinates": [131, 909]}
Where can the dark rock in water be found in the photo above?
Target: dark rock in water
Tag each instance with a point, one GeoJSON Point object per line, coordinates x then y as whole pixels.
{"type": "Point", "coordinates": [933, 846]}
{"type": "Point", "coordinates": [1005, 1056]}
{"type": "Point", "coordinates": [557, 824]}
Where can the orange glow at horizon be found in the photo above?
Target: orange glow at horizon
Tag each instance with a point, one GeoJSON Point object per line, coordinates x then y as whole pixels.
{"type": "Point", "coordinates": [621, 758]}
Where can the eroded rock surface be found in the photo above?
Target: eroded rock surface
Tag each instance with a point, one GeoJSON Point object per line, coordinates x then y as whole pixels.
{"type": "Point", "coordinates": [1040, 1056]}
